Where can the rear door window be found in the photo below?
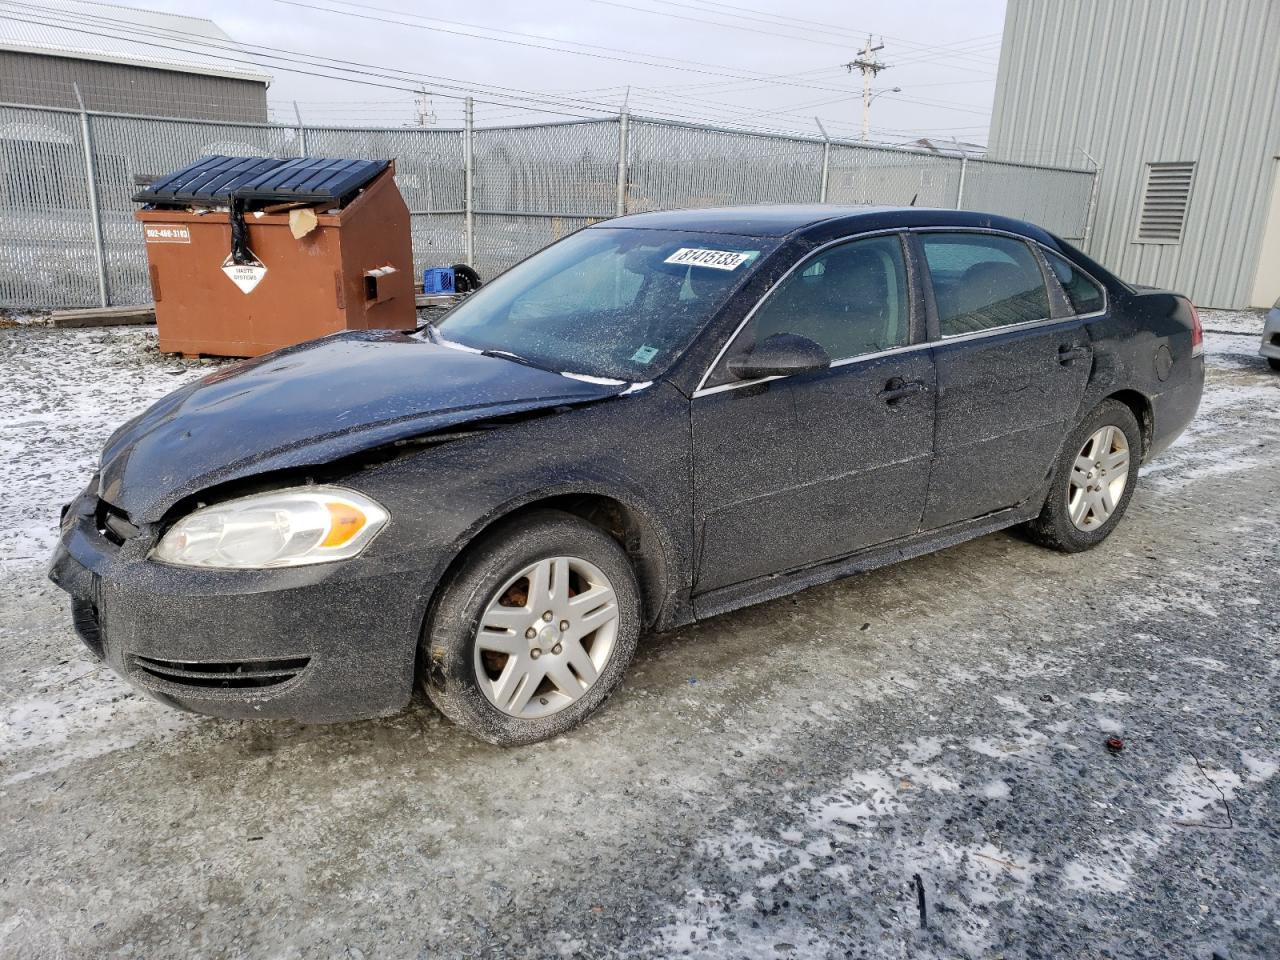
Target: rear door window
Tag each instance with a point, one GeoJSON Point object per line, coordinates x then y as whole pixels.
{"type": "Point", "coordinates": [1085, 295]}
{"type": "Point", "coordinates": [983, 281]}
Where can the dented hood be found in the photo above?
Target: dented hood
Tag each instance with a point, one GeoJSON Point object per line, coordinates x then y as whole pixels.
{"type": "Point", "coordinates": [311, 404]}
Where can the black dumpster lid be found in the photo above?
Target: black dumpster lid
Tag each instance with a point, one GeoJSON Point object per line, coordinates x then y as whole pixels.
{"type": "Point", "coordinates": [313, 179]}
{"type": "Point", "coordinates": [215, 179]}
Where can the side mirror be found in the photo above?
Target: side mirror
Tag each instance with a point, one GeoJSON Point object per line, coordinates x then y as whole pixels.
{"type": "Point", "coordinates": [780, 355]}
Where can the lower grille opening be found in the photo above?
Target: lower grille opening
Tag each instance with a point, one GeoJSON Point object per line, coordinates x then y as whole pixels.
{"type": "Point", "coordinates": [230, 675]}
{"type": "Point", "coordinates": [84, 617]}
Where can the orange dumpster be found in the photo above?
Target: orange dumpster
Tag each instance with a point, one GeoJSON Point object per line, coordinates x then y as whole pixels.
{"type": "Point", "coordinates": [250, 254]}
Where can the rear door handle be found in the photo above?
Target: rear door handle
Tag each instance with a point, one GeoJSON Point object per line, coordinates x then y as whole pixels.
{"type": "Point", "coordinates": [1067, 354]}
{"type": "Point", "coordinates": [898, 389]}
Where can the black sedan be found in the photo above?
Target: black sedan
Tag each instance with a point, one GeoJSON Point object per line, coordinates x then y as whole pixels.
{"type": "Point", "coordinates": [657, 419]}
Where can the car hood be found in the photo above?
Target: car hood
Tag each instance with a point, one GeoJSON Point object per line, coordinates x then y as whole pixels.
{"type": "Point", "coordinates": [311, 404]}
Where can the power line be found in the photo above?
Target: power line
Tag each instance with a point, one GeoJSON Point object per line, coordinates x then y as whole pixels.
{"type": "Point", "coordinates": [732, 26]}
{"type": "Point", "coordinates": [555, 44]}
{"type": "Point", "coordinates": [133, 32]}
{"type": "Point", "coordinates": [332, 69]}
{"type": "Point", "coordinates": [827, 25]}
{"type": "Point", "coordinates": [337, 69]}
{"type": "Point", "coordinates": [940, 50]}
{"type": "Point", "coordinates": [525, 100]}
{"type": "Point", "coordinates": [717, 70]}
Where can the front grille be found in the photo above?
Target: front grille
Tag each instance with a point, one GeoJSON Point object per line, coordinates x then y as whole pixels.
{"type": "Point", "coordinates": [113, 523]}
{"type": "Point", "coordinates": [231, 675]}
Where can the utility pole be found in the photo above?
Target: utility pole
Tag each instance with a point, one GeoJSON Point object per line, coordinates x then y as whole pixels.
{"type": "Point", "coordinates": [426, 116]}
{"type": "Point", "coordinates": [870, 65]}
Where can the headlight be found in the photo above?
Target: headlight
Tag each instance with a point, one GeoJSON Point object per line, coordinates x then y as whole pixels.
{"type": "Point", "coordinates": [283, 528]}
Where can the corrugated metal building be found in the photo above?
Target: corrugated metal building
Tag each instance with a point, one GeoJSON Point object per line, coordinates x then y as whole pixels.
{"type": "Point", "coordinates": [125, 60]}
{"type": "Point", "coordinates": [1178, 102]}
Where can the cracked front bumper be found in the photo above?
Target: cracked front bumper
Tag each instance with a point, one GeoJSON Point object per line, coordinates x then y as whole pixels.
{"type": "Point", "coordinates": [323, 643]}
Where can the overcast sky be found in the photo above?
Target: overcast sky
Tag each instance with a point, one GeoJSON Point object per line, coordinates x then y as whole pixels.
{"type": "Point", "coordinates": [942, 53]}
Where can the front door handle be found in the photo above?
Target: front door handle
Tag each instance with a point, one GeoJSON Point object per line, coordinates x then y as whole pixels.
{"type": "Point", "coordinates": [898, 389]}
{"type": "Point", "coordinates": [1068, 354]}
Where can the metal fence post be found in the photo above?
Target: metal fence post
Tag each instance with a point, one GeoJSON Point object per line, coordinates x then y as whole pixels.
{"type": "Point", "coordinates": [95, 214]}
{"type": "Point", "coordinates": [826, 161]}
{"type": "Point", "coordinates": [120, 271]}
{"type": "Point", "coordinates": [1093, 201]}
{"type": "Point", "coordinates": [302, 131]}
{"type": "Point", "coordinates": [624, 137]}
{"type": "Point", "coordinates": [468, 160]}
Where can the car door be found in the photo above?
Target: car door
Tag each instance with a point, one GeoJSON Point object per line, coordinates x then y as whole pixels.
{"type": "Point", "coordinates": [1010, 374]}
{"type": "Point", "coordinates": [790, 472]}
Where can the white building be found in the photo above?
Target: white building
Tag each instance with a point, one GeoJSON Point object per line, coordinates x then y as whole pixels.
{"type": "Point", "coordinates": [126, 60]}
{"type": "Point", "coordinates": [1178, 102]}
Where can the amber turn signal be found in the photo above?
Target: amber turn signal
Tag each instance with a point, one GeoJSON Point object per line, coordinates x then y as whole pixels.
{"type": "Point", "coordinates": [345, 521]}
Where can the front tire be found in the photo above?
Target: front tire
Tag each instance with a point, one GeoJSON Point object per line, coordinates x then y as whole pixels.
{"type": "Point", "coordinates": [1273, 363]}
{"type": "Point", "coordinates": [534, 630]}
{"type": "Point", "coordinates": [1093, 482]}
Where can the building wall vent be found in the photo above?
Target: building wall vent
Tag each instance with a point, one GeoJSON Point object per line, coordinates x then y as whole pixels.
{"type": "Point", "coordinates": [1165, 198]}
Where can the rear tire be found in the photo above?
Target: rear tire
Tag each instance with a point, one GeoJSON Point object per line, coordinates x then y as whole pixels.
{"type": "Point", "coordinates": [1086, 499]}
{"type": "Point", "coordinates": [533, 631]}
{"type": "Point", "coordinates": [1273, 362]}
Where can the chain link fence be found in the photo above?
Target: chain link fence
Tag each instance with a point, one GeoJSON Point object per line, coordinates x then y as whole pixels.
{"type": "Point", "coordinates": [68, 237]}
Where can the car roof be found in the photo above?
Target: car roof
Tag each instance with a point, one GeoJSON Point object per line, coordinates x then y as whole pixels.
{"type": "Point", "coordinates": [785, 219]}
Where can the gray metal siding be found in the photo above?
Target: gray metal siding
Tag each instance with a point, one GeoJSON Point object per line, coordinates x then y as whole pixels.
{"type": "Point", "coordinates": [1140, 81]}
{"type": "Point", "coordinates": [48, 81]}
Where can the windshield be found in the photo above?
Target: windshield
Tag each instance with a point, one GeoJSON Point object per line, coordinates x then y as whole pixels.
{"type": "Point", "coordinates": [609, 302]}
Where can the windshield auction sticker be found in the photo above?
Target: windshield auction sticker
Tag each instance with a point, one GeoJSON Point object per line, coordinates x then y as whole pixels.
{"type": "Point", "coordinates": [717, 259]}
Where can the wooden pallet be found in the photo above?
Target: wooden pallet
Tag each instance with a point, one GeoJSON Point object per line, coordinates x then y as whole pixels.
{"type": "Point", "coordinates": [104, 316]}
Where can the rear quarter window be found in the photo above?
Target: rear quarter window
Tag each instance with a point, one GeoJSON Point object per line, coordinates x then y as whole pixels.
{"type": "Point", "coordinates": [1085, 295]}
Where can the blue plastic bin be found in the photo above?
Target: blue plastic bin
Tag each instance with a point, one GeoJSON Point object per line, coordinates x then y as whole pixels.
{"type": "Point", "coordinates": [437, 280]}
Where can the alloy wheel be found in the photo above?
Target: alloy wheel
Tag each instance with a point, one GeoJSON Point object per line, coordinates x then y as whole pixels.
{"type": "Point", "coordinates": [545, 637]}
{"type": "Point", "coordinates": [1098, 478]}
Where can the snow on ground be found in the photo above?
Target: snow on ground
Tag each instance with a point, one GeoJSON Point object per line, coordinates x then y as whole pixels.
{"type": "Point", "coordinates": [1231, 345]}
{"type": "Point", "coordinates": [786, 805]}
{"type": "Point", "coordinates": [65, 391]}
{"type": "Point", "coordinates": [62, 393]}
{"type": "Point", "coordinates": [1243, 322]}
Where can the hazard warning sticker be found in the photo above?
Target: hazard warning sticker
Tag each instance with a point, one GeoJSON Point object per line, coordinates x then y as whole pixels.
{"type": "Point", "coordinates": [167, 233]}
{"type": "Point", "coordinates": [717, 259]}
{"type": "Point", "coordinates": [246, 276]}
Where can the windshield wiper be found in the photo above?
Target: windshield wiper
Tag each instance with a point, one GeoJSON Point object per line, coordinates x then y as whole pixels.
{"type": "Point", "coordinates": [508, 355]}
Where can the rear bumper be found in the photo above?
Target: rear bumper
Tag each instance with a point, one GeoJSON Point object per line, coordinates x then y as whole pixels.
{"type": "Point", "coordinates": [326, 643]}
{"type": "Point", "coordinates": [1174, 408]}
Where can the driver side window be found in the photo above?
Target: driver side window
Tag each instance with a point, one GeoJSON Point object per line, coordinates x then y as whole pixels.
{"type": "Point", "coordinates": [851, 300]}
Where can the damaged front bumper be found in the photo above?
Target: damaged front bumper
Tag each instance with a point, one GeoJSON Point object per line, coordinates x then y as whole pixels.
{"type": "Point", "coordinates": [322, 643]}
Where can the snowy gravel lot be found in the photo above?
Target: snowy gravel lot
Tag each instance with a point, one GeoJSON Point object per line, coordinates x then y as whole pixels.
{"type": "Point", "coordinates": [906, 764]}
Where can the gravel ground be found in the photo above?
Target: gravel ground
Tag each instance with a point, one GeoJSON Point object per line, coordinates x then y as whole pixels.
{"type": "Point", "coordinates": [906, 764]}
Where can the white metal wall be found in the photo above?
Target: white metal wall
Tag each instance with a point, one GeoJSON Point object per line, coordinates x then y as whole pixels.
{"type": "Point", "coordinates": [1129, 82]}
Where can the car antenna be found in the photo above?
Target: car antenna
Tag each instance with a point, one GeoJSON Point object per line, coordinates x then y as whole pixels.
{"type": "Point", "coordinates": [914, 197]}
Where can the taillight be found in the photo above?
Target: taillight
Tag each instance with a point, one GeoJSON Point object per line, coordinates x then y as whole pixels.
{"type": "Point", "coordinates": [1197, 332]}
